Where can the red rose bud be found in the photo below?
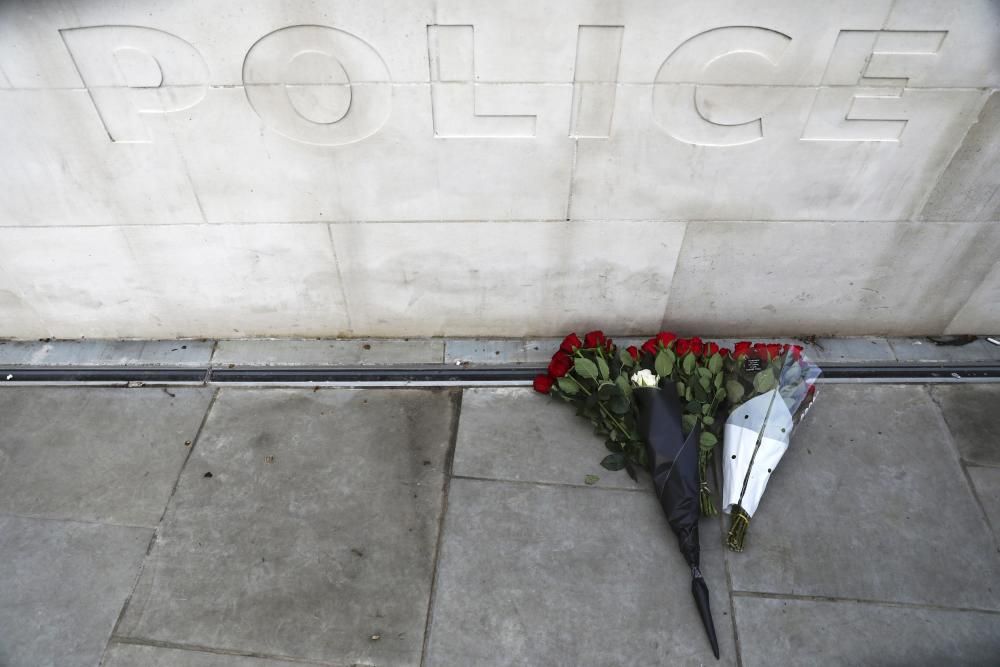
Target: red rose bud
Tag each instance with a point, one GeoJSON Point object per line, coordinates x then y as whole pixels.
{"type": "Point", "coordinates": [682, 346]}
{"type": "Point", "coordinates": [774, 349]}
{"type": "Point", "coordinates": [761, 350]}
{"type": "Point", "coordinates": [796, 352]}
{"type": "Point", "coordinates": [634, 351]}
{"type": "Point", "coordinates": [609, 345]}
{"type": "Point", "coordinates": [543, 384]}
{"type": "Point", "coordinates": [741, 348]}
{"type": "Point", "coordinates": [665, 338]}
{"type": "Point", "coordinates": [560, 365]}
{"type": "Point", "coordinates": [594, 339]}
{"type": "Point", "coordinates": [713, 348]}
{"type": "Point", "coordinates": [697, 347]}
{"type": "Point", "coordinates": [811, 390]}
{"type": "Point", "coordinates": [570, 343]}
{"type": "Point", "coordinates": [724, 352]}
{"type": "Point", "coordinates": [649, 347]}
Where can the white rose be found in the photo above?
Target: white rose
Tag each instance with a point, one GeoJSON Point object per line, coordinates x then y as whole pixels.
{"type": "Point", "coordinates": [646, 378]}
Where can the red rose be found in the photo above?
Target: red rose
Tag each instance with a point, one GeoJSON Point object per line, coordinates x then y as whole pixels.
{"type": "Point", "coordinates": [665, 338]}
{"type": "Point", "coordinates": [649, 347]}
{"type": "Point", "coordinates": [811, 390]}
{"type": "Point", "coordinates": [543, 383]}
{"type": "Point", "coordinates": [609, 345]}
{"type": "Point", "coordinates": [741, 348]}
{"type": "Point", "coordinates": [697, 347]}
{"type": "Point", "coordinates": [634, 351]}
{"type": "Point", "coordinates": [560, 365]}
{"type": "Point", "coordinates": [570, 343]}
{"type": "Point", "coordinates": [724, 352]}
{"type": "Point", "coordinates": [774, 349]}
{"type": "Point", "coordinates": [594, 339]}
{"type": "Point", "coordinates": [761, 350]}
{"type": "Point", "coordinates": [713, 349]}
{"type": "Point", "coordinates": [796, 352]}
{"type": "Point", "coordinates": [682, 346]}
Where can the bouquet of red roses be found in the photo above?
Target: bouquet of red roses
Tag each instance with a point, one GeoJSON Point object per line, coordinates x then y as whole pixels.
{"type": "Point", "coordinates": [593, 375]}
{"type": "Point", "coordinates": [769, 387]}
{"type": "Point", "coordinates": [696, 370]}
{"type": "Point", "coordinates": [644, 422]}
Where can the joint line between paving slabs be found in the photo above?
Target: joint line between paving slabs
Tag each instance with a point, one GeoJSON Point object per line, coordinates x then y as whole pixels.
{"type": "Point", "coordinates": [152, 538]}
{"type": "Point", "coordinates": [555, 484]}
{"type": "Point", "coordinates": [198, 648]}
{"type": "Point", "coordinates": [456, 407]}
{"type": "Point", "coordinates": [883, 603]}
{"type": "Point", "coordinates": [965, 471]}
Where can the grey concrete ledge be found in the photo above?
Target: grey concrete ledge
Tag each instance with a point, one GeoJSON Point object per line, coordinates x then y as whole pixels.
{"type": "Point", "coordinates": [357, 352]}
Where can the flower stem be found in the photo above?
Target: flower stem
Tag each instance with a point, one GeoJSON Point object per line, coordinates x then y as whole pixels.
{"type": "Point", "coordinates": [738, 524]}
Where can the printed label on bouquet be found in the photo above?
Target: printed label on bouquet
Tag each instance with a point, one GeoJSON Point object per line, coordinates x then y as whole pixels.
{"type": "Point", "coordinates": [753, 364]}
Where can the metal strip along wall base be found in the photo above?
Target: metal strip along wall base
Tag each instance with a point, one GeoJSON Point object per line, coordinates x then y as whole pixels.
{"type": "Point", "coordinates": [429, 375]}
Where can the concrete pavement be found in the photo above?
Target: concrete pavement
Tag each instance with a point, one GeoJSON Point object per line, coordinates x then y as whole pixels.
{"type": "Point", "coordinates": [272, 527]}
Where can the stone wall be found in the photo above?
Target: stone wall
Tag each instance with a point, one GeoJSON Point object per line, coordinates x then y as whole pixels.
{"type": "Point", "coordinates": [463, 167]}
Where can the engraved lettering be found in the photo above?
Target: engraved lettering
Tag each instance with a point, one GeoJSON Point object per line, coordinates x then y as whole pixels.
{"type": "Point", "coordinates": [715, 57]}
{"type": "Point", "coordinates": [318, 85]}
{"type": "Point", "coordinates": [132, 70]}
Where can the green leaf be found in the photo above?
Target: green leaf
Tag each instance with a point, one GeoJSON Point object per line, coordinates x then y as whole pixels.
{"type": "Point", "coordinates": [619, 405]}
{"type": "Point", "coordinates": [613, 446]}
{"type": "Point", "coordinates": [715, 363]}
{"type": "Point", "coordinates": [602, 367]}
{"type": "Point", "coordinates": [613, 462]}
{"type": "Point", "coordinates": [590, 480]}
{"type": "Point", "coordinates": [585, 368]}
{"type": "Point", "coordinates": [764, 381]}
{"type": "Point", "coordinates": [605, 391]}
{"type": "Point", "coordinates": [626, 358]}
{"type": "Point", "coordinates": [734, 390]}
{"type": "Point", "coordinates": [706, 408]}
{"type": "Point", "coordinates": [681, 389]}
{"type": "Point", "coordinates": [706, 441]}
{"type": "Point", "coordinates": [718, 380]}
{"type": "Point", "coordinates": [568, 386]}
{"type": "Point", "coordinates": [688, 394]}
{"type": "Point", "coordinates": [693, 407]}
{"type": "Point", "coordinates": [700, 393]}
{"type": "Point", "coordinates": [688, 421]}
{"type": "Point", "coordinates": [688, 363]}
{"type": "Point", "coordinates": [664, 364]}
{"type": "Point", "coordinates": [705, 383]}
{"type": "Point", "coordinates": [708, 420]}
{"type": "Point", "coordinates": [623, 386]}
{"type": "Point", "coordinates": [703, 373]}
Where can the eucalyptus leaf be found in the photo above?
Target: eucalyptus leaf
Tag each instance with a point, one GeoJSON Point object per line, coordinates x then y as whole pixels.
{"type": "Point", "coordinates": [585, 368]}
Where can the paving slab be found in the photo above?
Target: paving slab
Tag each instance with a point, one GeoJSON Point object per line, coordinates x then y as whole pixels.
{"type": "Point", "coordinates": [924, 350]}
{"type": "Point", "coordinates": [972, 413]}
{"type": "Point", "coordinates": [802, 632]}
{"type": "Point", "coordinates": [870, 502]}
{"type": "Point", "coordinates": [107, 352]}
{"type": "Point", "coordinates": [515, 433]}
{"type": "Point", "coordinates": [134, 655]}
{"type": "Point", "coordinates": [95, 454]}
{"type": "Point", "coordinates": [63, 587]}
{"type": "Point", "coordinates": [304, 524]}
{"type": "Point", "coordinates": [986, 481]}
{"type": "Point", "coordinates": [316, 352]}
{"type": "Point", "coordinates": [558, 575]}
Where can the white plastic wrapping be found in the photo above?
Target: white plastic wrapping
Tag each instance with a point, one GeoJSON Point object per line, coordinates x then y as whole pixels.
{"type": "Point", "coordinates": [765, 417]}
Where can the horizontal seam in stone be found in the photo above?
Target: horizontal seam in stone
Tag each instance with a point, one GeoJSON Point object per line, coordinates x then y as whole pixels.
{"type": "Point", "coordinates": [883, 603]}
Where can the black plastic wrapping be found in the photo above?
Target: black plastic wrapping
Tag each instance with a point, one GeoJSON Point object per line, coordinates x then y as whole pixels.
{"type": "Point", "coordinates": [673, 463]}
